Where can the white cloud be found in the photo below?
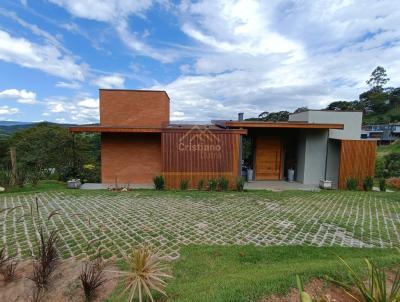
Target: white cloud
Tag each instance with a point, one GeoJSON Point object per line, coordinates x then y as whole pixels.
{"type": "Point", "coordinates": [89, 103]}
{"type": "Point", "coordinates": [79, 110]}
{"type": "Point", "coordinates": [106, 11]}
{"type": "Point", "coordinates": [68, 85]}
{"type": "Point", "coordinates": [117, 13]}
{"type": "Point", "coordinates": [47, 57]}
{"type": "Point", "coordinates": [5, 110]}
{"type": "Point", "coordinates": [280, 55]}
{"type": "Point", "coordinates": [110, 81]}
{"type": "Point", "coordinates": [21, 96]}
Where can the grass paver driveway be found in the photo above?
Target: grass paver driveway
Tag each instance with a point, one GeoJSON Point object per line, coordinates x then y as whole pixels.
{"type": "Point", "coordinates": [170, 220]}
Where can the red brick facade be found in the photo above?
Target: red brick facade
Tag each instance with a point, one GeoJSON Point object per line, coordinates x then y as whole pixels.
{"type": "Point", "coordinates": [139, 108]}
{"type": "Point", "coordinates": [130, 158]}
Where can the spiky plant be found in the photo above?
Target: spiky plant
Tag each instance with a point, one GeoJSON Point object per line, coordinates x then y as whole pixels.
{"type": "Point", "coordinates": [184, 184]}
{"type": "Point", "coordinates": [223, 183]}
{"type": "Point", "coordinates": [159, 182]}
{"type": "Point", "coordinates": [8, 269]}
{"type": "Point", "coordinates": [371, 287]}
{"type": "Point", "coordinates": [212, 184]}
{"type": "Point", "coordinates": [46, 259]}
{"type": "Point", "coordinates": [240, 183]}
{"type": "Point", "coordinates": [146, 273]}
{"type": "Point", "coordinates": [200, 184]}
{"type": "Point", "coordinates": [92, 276]}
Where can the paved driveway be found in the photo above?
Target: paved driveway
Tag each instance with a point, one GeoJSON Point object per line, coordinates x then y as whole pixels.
{"type": "Point", "coordinates": [118, 221]}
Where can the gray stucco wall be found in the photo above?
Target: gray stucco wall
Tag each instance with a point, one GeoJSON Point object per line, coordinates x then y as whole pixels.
{"type": "Point", "coordinates": [301, 157]}
{"type": "Point", "coordinates": [332, 172]}
{"type": "Point", "coordinates": [351, 120]}
{"type": "Point", "coordinates": [311, 156]}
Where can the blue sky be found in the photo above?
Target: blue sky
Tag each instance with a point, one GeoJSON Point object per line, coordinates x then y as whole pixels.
{"type": "Point", "coordinates": [214, 58]}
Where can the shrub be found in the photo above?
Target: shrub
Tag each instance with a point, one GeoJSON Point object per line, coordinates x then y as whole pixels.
{"type": "Point", "coordinates": [380, 166]}
{"type": "Point", "coordinates": [92, 277]}
{"type": "Point", "coordinates": [184, 184]}
{"type": "Point", "coordinates": [382, 184]}
{"type": "Point", "coordinates": [200, 185]}
{"type": "Point", "coordinates": [394, 182]}
{"type": "Point", "coordinates": [212, 185]}
{"type": "Point", "coordinates": [5, 178]}
{"type": "Point", "coordinates": [368, 183]}
{"type": "Point", "coordinates": [392, 161]}
{"type": "Point", "coordinates": [8, 269]}
{"type": "Point", "coordinates": [223, 183]}
{"type": "Point", "coordinates": [46, 259]}
{"type": "Point", "coordinates": [240, 183]}
{"type": "Point", "coordinates": [159, 182]}
{"type": "Point", "coordinates": [146, 273]}
{"type": "Point", "coordinates": [351, 183]}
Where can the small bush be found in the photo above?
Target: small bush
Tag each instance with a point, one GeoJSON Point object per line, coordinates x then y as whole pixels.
{"type": "Point", "coordinates": [184, 184]}
{"type": "Point", "coordinates": [8, 269]}
{"type": "Point", "coordinates": [212, 185]}
{"type": "Point", "coordinates": [46, 259]}
{"type": "Point", "coordinates": [351, 183]}
{"type": "Point", "coordinates": [200, 184]}
{"type": "Point", "coordinates": [382, 185]}
{"type": "Point", "coordinates": [159, 182]}
{"type": "Point", "coordinates": [92, 277]}
{"type": "Point", "coordinates": [223, 183]}
{"type": "Point", "coordinates": [368, 183]}
{"type": "Point", "coordinates": [240, 183]}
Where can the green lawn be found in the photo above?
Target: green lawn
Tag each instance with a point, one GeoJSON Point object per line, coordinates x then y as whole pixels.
{"type": "Point", "coordinates": [249, 273]}
{"type": "Point", "coordinates": [42, 186]}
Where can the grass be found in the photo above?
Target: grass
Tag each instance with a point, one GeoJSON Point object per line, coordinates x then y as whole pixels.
{"type": "Point", "coordinates": [386, 149]}
{"type": "Point", "coordinates": [42, 186]}
{"type": "Point", "coordinates": [249, 273]}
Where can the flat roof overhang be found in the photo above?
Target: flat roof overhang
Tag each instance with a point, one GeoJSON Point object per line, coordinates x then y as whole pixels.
{"type": "Point", "coordinates": [115, 129]}
{"type": "Point", "coordinates": [282, 125]}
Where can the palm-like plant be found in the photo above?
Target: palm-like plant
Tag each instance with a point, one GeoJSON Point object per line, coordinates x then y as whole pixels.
{"type": "Point", "coordinates": [146, 273]}
{"type": "Point", "coordinates": [372, 287]}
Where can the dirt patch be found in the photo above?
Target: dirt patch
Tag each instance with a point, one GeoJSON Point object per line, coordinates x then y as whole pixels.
{"type": "Point", "coordinates": [316, 289]}
{"type": "Point", "coordinates": [65, 284]}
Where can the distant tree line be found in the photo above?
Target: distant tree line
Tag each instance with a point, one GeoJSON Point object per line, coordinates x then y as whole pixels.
{"type": "Point", "coordinates": [379, 104]}
{"type": "Point", "coordinates": [48, 151]}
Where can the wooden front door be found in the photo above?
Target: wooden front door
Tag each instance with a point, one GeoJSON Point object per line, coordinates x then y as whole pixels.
{"type": "Point", "coordinates": [268, 158]}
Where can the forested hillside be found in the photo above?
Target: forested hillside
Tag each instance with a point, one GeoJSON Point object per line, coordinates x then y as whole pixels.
{"type": "Point", "coordinates": [380, 103]}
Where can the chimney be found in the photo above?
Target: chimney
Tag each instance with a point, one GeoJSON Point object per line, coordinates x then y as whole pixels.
{"type": "Point", "coordinates": [240, 116]}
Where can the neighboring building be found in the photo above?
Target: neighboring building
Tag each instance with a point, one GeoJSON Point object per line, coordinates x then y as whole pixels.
{"type": "Point", "coordinates": [385, 134]}
{"type": "Point", "coordinates": [138, 142]}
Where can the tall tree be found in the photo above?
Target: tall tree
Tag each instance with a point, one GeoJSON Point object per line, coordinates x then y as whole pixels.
{"type": "Point", "coordinates": [274, 116]}
{"type": "Point", "coordinates": [378, 78]}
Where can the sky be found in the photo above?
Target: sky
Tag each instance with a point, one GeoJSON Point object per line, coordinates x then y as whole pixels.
{"type": "Point", "coordinates": [214, 58]}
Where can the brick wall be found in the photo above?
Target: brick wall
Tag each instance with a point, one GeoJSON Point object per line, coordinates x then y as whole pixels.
{"type": "Point", "coordinates": [132, 158]}
{"type": "Point", "coordinates": [133, 108]}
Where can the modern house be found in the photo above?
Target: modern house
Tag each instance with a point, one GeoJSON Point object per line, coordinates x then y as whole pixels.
{"type": "Point", "coordinates": [384, 133]}
{"type": "Point", "coordinates": [138, 142]}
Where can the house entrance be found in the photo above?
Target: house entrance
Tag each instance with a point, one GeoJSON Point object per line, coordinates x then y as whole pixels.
{"type": "Point", "coordinates": [268, 158]}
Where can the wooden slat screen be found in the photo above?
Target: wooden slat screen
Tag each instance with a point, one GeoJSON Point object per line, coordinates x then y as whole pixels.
{"type": "Point", "coordinates": [199, 154]}
{"type": "Point", "coordinates": [357, 159]}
